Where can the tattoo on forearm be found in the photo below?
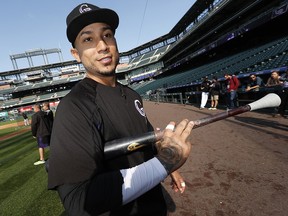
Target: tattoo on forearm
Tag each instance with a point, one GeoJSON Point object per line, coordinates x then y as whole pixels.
{"type": "Point", "coordinates": [169, 156]}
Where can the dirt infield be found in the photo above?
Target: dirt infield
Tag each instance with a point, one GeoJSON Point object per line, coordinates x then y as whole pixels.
{"type": "Point", "coordinates": [238, 166]}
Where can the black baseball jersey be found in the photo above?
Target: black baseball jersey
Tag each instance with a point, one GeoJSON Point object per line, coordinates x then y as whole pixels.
{"type": "Point", "coordinates": [90, 115]}
{"type": "Point", "coordinates": [39, 125]}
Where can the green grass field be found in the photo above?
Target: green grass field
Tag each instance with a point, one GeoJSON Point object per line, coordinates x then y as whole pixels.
{"type": "Point", "coordinates": [23, 186]}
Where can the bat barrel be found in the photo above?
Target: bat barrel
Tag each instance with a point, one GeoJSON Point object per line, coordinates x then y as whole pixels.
{"type": "Point", "coordinates": [125, 145]}
{"type": "Point", "coordinates": [269, 100]}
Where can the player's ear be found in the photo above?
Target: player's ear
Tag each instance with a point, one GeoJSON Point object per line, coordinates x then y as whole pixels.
{"type": "Point", "coordinates": [75, 54]}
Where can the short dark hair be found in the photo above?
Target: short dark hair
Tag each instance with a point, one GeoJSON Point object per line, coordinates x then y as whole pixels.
{"type": "Point", "coordinates": [38, 105]}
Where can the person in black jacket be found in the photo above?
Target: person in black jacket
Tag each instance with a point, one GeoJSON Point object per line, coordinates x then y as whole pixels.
{"type": "Point", "coordinates": [99, 109]}
{"type": "Point", "coordinates": [49, 115]}
{"type": "Point", "coordinates": [40, 131]}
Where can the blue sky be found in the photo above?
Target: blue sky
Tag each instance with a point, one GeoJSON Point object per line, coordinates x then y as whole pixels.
{"type": "Point", "coordinates": [33, 24]}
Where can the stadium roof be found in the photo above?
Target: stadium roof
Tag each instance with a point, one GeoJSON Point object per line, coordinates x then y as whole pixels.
{"type": "Point", "coordinates": [41, 67]}
{"type": "Point", "coordinates": [197, 8]}
{"type": "Point", "coordinates": [191, 15]}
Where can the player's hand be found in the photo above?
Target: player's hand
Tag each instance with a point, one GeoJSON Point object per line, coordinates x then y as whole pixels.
{"type": "Point", "coordinates": [177, 182]}
{"type": "Point", "coordinates": [174, 148]}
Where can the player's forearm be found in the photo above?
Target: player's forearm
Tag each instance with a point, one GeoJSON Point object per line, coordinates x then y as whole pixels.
{"type": "Point", "coordinates": [142, 178]}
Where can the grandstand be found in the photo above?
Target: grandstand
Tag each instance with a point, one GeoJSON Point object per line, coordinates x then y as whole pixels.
{"type": "Point", "coordinates": [213, 37]}
{"type": "Point", "coordinates": [261, 60]}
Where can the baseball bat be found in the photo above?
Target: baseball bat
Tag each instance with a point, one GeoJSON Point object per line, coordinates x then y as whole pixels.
{"type": "Point", "coordinates": [126, 145]}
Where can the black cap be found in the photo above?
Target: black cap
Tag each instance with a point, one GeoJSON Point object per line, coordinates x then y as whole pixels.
{"type": "Point", "coordinates": [86, 14]}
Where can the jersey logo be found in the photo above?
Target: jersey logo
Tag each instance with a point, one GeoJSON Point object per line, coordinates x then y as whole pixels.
{"type": "Point", "coordinates": [139, 107]}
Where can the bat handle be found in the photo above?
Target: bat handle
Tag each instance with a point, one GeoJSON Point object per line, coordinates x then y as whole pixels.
{"type": "Point", "coordinates": [219, 116]}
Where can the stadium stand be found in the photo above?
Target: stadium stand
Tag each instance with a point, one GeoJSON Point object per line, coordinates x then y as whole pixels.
{"type": "Point", "coordinates": [244, 62]}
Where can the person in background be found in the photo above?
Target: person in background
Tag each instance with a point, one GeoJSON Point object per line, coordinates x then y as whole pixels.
{"type": "Point", "coordinates": [254, 84]}
{"type": "Point", "coordinates": [232, 85]}
{"type": "Point", "coordinates": [99, 109]}
{"type": "Point", "coordinates": [26, 119]}
{"type": "Point", "coordinates": [275, 84]}
{"type": "Point", "coordinates": [283, 95]}
{"type": "Point", "coordinates": [48, 114]}
{"type": "Point", "coordinates": [215, 92]}
{"type": "Point", "coordinates": [205, 87]}
{"type": "Point", "coordinates": [274, 79]}
{"type": "Point", "coordinates": [40, 131]}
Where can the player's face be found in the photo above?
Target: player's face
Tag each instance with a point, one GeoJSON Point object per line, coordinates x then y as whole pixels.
{"type": "Point", "coordinates": [96, 49]}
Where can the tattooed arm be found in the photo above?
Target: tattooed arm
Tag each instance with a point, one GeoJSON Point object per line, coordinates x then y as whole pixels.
{"type": "Point", "coordinates": [174, 149]}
